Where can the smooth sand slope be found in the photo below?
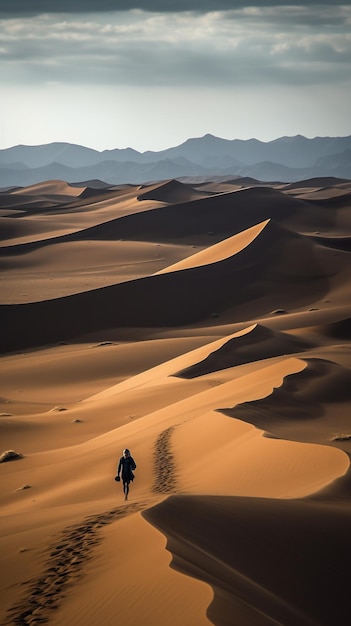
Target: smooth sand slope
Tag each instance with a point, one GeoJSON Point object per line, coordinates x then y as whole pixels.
{"type": "Point", "coordinates": [207, 328]}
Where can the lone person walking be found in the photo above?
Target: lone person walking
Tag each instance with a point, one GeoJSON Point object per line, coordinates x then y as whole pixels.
{"type": "Point", "coordinates": [127, 465]}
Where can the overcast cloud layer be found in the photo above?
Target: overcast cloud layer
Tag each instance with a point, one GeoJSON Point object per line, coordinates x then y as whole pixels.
{"type": "Point", "coordinates": [24, 7]}
{"type": "Point", "coordinates": [228, 56]}
{"type": "Point", "coordinates": [282, 45]}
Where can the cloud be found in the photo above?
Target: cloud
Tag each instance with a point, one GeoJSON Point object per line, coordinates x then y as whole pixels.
{"type": "Point", "coordinates": [20, 7]}
{"type": "Point", "coordinates": [282, 45]}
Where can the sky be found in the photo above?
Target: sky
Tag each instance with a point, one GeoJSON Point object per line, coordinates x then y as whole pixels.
{"type": "Point", "coordinates": [136, 73]}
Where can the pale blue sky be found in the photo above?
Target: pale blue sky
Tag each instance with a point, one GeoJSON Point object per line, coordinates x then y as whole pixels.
{"type": "Point", "coordinates": [150, 79]}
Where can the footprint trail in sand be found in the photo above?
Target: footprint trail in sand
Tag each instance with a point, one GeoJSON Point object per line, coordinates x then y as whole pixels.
{"type": "Point", "coordinates": [74, 548]}
{"type": "Point", "coordinates": [64, 569]}
{"type": "Point", "coordinates": [165, 480]}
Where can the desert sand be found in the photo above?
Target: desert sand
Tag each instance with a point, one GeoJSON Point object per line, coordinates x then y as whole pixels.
{"type": "Point", "coordinates": [206, 327]}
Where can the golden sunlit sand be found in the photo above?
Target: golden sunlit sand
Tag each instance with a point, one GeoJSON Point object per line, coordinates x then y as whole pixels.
{"type": "Point", "coordinates": [207, 328]}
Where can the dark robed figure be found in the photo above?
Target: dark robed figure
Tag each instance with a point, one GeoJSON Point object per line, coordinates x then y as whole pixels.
{"type": "Point", "coordinates": [127, 465]}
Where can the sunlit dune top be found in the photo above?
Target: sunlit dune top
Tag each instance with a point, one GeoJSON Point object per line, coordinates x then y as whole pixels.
{"type": "Point", "coordinates": [56, 187]}
{"type": "Point", "coordinates": [220, 251]}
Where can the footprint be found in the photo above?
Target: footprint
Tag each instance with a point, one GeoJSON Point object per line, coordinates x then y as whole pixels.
{"type": "Point", "coordinates": [64, 566]}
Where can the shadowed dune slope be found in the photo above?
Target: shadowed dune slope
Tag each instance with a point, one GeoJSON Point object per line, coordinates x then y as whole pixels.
{"type": "Point", "coordinates": [255, 343]}
{"type": "Point", "coordinates": [338, 330]}
{"type": "Point", "coordinates": [219, 216]}
{"type": "Point", "coordinates": [172, 191]}
{"type": "Point", "coordinates": [312, 405]}
{"type": "Point", "coordinates": [47, 195]}
{"type": "Point", "coordinates": [328, 196]}
{"type": "Point", "coordinates": [14, 227]}
{"type": "Point", "coordinates": [318, 183]}
{"type": "Point", "coordinates": [268, 561]}
{"type": "Point", "coordinates": [200, 222]}
{"type": "Point", "coordinates": [66, 219]}
{"type": "Point", "coordinates": [279, 269]}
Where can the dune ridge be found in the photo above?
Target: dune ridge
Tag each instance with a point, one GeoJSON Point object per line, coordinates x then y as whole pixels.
{"type": "Point", "coordinates": [295, 268]}
{"type": "Point", "coordinates": [205, 326]}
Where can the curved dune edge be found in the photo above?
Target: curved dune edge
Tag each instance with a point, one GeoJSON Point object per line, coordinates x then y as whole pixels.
{"type": "Point", "coordinates": [258, 343]}
{"type": "Point", "coordinates": [249, 464]}
{"type": "Point", "coordinates": [269, 561]}
{"type": "Point", "coordinates": [56, 187]}
{"type": "Point", "coordinates": [111, 595]}
{"type": "Point", "coordinates": [117, 586]}
{"type": "Point", "coordinates": [212, 291]}
{"type": "Point", "coordinates": [86, 479]}
{"type": "Point", "coordinates": [193, 416]}
{"type": "Point", "coordinates": [169, 368]}
{"type": "Point", "coordinates": [218, 252]}
{"type": "Point", "coordinates": [152, 591]}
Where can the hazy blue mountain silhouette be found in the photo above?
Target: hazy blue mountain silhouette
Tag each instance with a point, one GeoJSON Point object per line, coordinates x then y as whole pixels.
{"type": "Point", "coordinates": [288, 159]}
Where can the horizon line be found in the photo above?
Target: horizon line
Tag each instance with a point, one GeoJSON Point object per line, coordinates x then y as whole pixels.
{"type": "Point", "coordinates": [71, 143]}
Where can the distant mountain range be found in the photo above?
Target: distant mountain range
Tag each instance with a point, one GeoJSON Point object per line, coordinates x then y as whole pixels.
{"type": "Point", "coordinates": [287, 159]}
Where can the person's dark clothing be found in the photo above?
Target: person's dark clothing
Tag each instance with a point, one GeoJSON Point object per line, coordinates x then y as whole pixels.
{"type": "Point", "coordinates": [127, 465]}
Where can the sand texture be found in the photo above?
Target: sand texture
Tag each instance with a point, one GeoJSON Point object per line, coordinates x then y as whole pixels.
{"type": "Point", "coordinates": [206, 327]}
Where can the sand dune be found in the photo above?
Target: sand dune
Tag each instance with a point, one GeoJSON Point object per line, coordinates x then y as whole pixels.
{"type": "Point", "coordinates": [252, 582]}
{"type": "Point", "coordinates": [57, 188]}
{"type": "Point", "coordinates": [254, 343]}
{"type": "Point", "coordinates": [295, 270]}
{"type": "Point", "coordinates": [206, 326]}
{"type": "Point", "coordinates": [172, 191]}
{"type": "Point", "coordinates": [219, 251]}
{"type": "Point", "coordinates": [311, 406]}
